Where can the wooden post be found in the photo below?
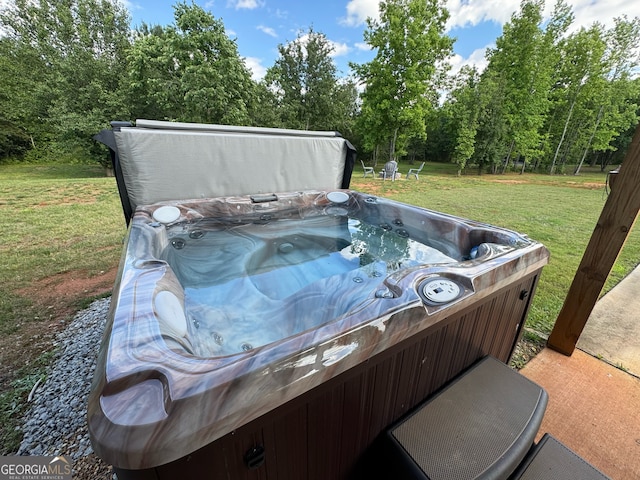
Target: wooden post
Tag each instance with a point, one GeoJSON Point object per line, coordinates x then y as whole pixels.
{"type": "Point", "coordinates": [616, 220]}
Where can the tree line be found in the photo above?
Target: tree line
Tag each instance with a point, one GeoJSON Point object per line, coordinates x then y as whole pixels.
{"type": "Point", "coordinates": [549, 97]}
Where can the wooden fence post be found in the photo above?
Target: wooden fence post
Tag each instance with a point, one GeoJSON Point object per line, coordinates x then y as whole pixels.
{"type": "Point", "coordinates": [616, 220]}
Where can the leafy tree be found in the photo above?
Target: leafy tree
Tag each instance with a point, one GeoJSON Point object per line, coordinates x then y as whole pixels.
{"type": "Point", "coordinates": [402, 81]}
{"type": "Point", "coordinates": [263, 109]}
{"type": "Point", "coordinates": [189, 71]}
{"type": "Point", "coordinates": [304, 80]}
{"type": "Point", "coordinates": [439, 143]}
{"type": "Point", "coordinates": [74, 53]}
{"type": "Point", "coordinates": [579, 77]}
{"type": "Point", "coordinates": [465, 113]}
{"type": "Point", "coordinates": [524, 58]}
{"type": "Point", "coordinates": [618, 103]}
{"type": "Point", "coordinates": [16, 120]}
{"type": "Point", "coordinates": [615, 155]}
{"type": "Point", "coordinates": [594, 98]}
{"type": "Point", "coordinates": [346, 107]}
{"type": "Point", "coordinates": [546, 97]}
{"type": "Point", "coordinates": [489, 148]}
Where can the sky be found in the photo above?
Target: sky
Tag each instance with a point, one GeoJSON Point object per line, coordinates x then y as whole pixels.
{"type": "Point", "coordinates": [259, 26]}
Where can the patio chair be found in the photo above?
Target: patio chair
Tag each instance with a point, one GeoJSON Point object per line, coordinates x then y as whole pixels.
{"type": "Point", "coordinates": [390, 170]}
{"type": "Point", "coordinates": [415, 171]}
{"type": "Point", "coordinates": [367, 170]}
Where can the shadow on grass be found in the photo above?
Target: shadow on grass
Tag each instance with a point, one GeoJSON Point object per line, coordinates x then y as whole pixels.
{"type": "Point", "coordinates": [50, 171]}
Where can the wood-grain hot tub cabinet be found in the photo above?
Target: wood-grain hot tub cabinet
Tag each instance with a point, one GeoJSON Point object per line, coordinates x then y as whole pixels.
{"type": "Point", "coordinates": [258, 331]}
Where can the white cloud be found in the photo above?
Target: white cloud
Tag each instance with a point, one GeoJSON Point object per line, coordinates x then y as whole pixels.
{"type": "Point", "coordinates": [337, 49]}
{"type": "Point", "coordinates": [281, 13]}
{"type": "Point", "coordinates": [258, 71]}
{"type": "Point", "coordinates": [365, 47]}
{"type": "Point", "coordinates": [128, 4]}
{"type": "Point", "coordinates": [268, 30]}
{"type": "Point", "coordinates": [245, 4]}
{"type": "Point", "coordinates": [476, 58]}
{"type": "Point", "coordinates": [466, 13]}
{"type": "Point", "coordinates": [604, 11]}
{"type": "Point", "coordinates": [358, 11]}
{"type": "Point", "coordinates": [209, 5]}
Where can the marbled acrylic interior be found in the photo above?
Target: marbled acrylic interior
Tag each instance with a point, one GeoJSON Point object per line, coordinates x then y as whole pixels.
{"type": "Point", "coordinates": [252, 283]}
{"type": "Point", "coordinates": [242, 304]}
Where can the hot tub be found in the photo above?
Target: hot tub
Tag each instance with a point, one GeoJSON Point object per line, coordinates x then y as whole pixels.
{"type": "Point", "coordinates": [278, 334]}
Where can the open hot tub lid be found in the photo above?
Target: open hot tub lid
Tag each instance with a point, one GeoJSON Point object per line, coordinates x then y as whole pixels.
{"type": "Point", "coordinates": [163, 161]}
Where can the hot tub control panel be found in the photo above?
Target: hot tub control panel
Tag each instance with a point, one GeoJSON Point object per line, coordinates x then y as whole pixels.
{"type": "Point", "coordinates": [438, 291]}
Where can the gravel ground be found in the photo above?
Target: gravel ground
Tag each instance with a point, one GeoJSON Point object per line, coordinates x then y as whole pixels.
{"type": "Point", "coordinates": [56, 423]}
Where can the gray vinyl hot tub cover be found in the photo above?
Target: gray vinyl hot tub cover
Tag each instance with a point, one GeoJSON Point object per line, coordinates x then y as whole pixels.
{"type": "Point", "coordinates": [164, 161]}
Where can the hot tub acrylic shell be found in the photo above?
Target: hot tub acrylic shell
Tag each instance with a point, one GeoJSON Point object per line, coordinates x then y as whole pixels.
{"type": "Point", "coordinates": [155, 400]}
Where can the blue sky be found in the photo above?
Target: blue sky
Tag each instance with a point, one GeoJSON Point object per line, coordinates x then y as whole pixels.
{"type": "Point", "coordinates": [259, 26]}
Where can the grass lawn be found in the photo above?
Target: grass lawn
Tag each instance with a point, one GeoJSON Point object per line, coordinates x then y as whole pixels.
{"type": "Point", "coordinates": [53, 220]}
{"type": "Point", "coordinates": [61, 231]}
{"type": "Point", "coordinates": [62, 228]}
{"type": "Point", "coordinates": [559, 211]}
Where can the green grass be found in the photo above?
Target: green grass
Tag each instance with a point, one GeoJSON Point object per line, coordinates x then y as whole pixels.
{"type": "Point", "coordinates": [13, 397]}
{"type": "Point", "coordinates": [559, 211]}
{"type": "Point", "coordinates": [53, 219]}
{"type": "Point", "coordinates": [56, 219]}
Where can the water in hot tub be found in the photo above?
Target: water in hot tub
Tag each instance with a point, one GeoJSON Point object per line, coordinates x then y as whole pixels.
{"type": "Point", "coordinates": [250, 284]}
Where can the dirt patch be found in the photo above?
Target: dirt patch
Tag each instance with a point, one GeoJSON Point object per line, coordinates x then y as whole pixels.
{"type": "Point", "coordinates": [56, 300]}
{"type": "Point", "coordinates": [590, 186]}
{"type": "Point", "coordinates": [510, 182]}
{"type": "Point", "coordinates": [374, 188]}
{"type": "Point", "coordinates": [565, 183]}
{"type": "Point", "coordinates": [61, 292]}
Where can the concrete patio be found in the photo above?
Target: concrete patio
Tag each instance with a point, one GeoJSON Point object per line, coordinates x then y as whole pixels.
{"type": "Point", "coordinates": [594, 407]}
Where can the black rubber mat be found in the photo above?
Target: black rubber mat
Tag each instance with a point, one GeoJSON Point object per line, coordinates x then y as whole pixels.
{"type": "Point", "coordinates": [552, 460]}
{"type": "Point", "coordinates": [480, 427]}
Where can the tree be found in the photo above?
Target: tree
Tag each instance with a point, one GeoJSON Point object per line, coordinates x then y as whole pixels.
{"type": "Point", "coordinates": [263, 109]}
{"type": "Point", "coordinates": [524, 57]}
{"type": "Point", "coordinates": [439, 143]}
{"type": "Point", "coordinates": [346, 107]}
{"type": "Point", "coordinates": [304, 80]}
{"type": "Point", "coordinates": [189, 71]}
{"type": "Point", "coordinates": [17, 123]}
{"type": "Point", "coordinates": [580, 74]}
{"type": "Point", "coordinates": [402, 81]}
{"type": "Point", "coordinates": [491, 132]}
{"type": "Point", "coordinates": [462, 105]}
{"type": "Point", "coordinates": [545, 97]}
{"type": "Point", "coordinates": [74, 54]}
{"type": "Point", "coordinates": [594, 97]}
{"type": "Point", "coordinates": [615, 112]}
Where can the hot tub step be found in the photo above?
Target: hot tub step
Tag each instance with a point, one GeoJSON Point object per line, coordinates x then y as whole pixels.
{"type": "Point", "coordinates": [552, 460]}
{"type": "Point", "coordinates": [479, 427]}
